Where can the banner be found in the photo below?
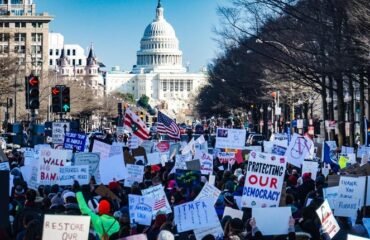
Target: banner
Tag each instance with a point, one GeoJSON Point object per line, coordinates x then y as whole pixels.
{"type": "Point", "coordinates": [272, 221]}
{"type": "Point", "coordinates": [230, 138]}
{"type": "Point", "coordinates": [206, 163]}
{"type": "Point", "coordinates": [75, 140]}
{"type": "Point", "coordinates": [299, 149]}
{"type": "Point", "coordinates": [209, 192]}
{"type": "Point", "coordinates": [90, 159]}
{"type": "Point", "coordinates": [66, 227]}
{"type": "Point", "coordinates": [161, 202]}
{"type": "Point", "coordinates": [264, 180]}
{"type": "Point", "coordinates": [195, 215]}
{"type": "Point", "coordinates": [140, 209]}
{"type": "Point", "coordinates": [135, 173]}
{"type": "Point", "coordinates": [58, 132]}
{"type": "Point", "coordinates": [328, 223]}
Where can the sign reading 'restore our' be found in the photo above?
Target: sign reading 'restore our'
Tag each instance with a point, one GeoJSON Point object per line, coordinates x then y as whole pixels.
{"type": "Point", "coordinates": [264, 180]}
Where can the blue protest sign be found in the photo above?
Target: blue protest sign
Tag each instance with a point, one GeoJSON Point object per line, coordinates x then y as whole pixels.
{"type": "Point", "coordinates": [74, 140]}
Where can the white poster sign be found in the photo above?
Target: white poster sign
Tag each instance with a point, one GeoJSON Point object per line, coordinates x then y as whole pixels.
{"type": "Point", "coordinates": [299, 149]}
{"type": "Point", "coordinates": [195, 215]}
{"type": "Point", "coordinates": [216, 231]}
{"type": "Point", "coordinates": [233, 213]}
{"type": "Point", "coordinates": [209, 192]}
{"type": "Point", "coordinates": [90, 159]}
{"type": "Point", "coordinates": [230, 138]}
{"type": "Point", "coordinates": [4, 166]}
{"type": "Point", "coordinates": [277, 222]}
{"type": "Point", "coordinates": [113, 168]}
{"type": "Point", "coordinates": [161, 202]}
{"type": "Point", "coordinates": [154, 158]}
{"type": "Point", "coordinates": [68, 174]}
{"type": "Point", "coordinates": [264, 180]}
{"type": "Point", "coordinates": [353, 237]}
{"type": "Point", "coordinates": [206, 163]}
{"type": "Point", "coordinates": [66, 227]}
{"type": "Point", "coordinates": [58, 132]}
{"type": "Point", "coordinates": [331, 195]}
{"type": "Point", "coordinates": [353, 190]}
{"type": "Point", "coordinates": [140, 209]}
{"type": "Point", "coordinates": [310, 167]}
{"type": "Point", "coordinates": [135, 173]}
{"type": "Point", "coordinates": [328, 222]}
{"type": "Point", "coordinates": [102, 148]}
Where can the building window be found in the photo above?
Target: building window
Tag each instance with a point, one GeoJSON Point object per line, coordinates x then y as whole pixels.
{"type": "Point", "coordinates": [68, 52]}
{"type": "Point", "coordinates": [51, 62]}
{"type": "Point", "coordinates": [20, 37]}
{"type": "Point", "coordinates": [181, 86]}
{"type": "Point", "coordinates": [177, 85]}
{"type": "Point", "coordinates": [36, 49]}
{"type": "Point", "coordinates": [37, 37]}
{"type": "Point", "coordinates": [4, 25]}
{"type": "Point", "coordinates": [57, 52]}
{"type": "Point", "coordinates": [51, 52]}
{"type": "Point", "coordinates": [80, 62]}
{"type": "Point", "coordinates": [164, 85]}
{"type": "Point", "coordinates": [74, 62]}
{"type": "Point", "coordinates": [189, 85]}
{"type": "Point", "coordinates": [4, 37]}
{"type": "Point", "coordinates": [37, 24]}
{"type": "Point", "coordinates": [19, 49]}
{"type": "Point", "coordinates": [74, 52]}
{"type": "Point", "coordinates": [17, 24]}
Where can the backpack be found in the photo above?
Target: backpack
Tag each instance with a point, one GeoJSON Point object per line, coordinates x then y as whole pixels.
{"type": "Point", "coordinates": [105, 235]}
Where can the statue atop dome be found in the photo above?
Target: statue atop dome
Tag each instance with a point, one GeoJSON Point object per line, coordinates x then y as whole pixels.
{"type": "Point", "coordinates": [159, 4]}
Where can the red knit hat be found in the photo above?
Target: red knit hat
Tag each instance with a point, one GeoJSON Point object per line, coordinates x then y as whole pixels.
{"type": "Point", "coordinates": [113, 185]}
{"type": "Point", "coordinates": [104, 207]}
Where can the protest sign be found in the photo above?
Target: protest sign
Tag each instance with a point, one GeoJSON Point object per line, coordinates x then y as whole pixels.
{"type": "Point", "coordinates": [366, 223]}
{"type": "Point", "coordinates": [133, 142]}
{"type": "Point", "coordinates": [210, 192]}
{"type": "Point", "coordinates": [135, 237]}
{"type": "Point", "coordinates": [264, 180]}
{"type": "Point", "coordinates": [267, 146]}
{"type": "Point", "coordinates": [147, 145]}
{"type": "Point", "coordinates": [163, 146]}
{"type": "Point", "coordinates": [135, 173]}
{"type": "Point", "coordinates": [346, 150]}
{"type": "Point", "coordinates": [49, 164]}
{"type": "Point", "coordinates": [328, 223]}
{"type": "Point", "coordinates": [233, 213]}
{"type": "Point", "coordinates": [353, 237]}
{"type": "Point", "coordinates": [254, 148]}
{"type": "Point", "coordinates": [193, 165]}
{"type": "Point", "coordinates": [278, 150]}
{"type": "Point", "coordinates": [212, 179]}
{"type": "Point", "coordinates": [90, 159]}
{"type": "Point", "coordinates": [299, 149]}
{"type": "Point", "coordinates": [66, 227]}
{"type": "Point", "coordinates": [75, 140]}
{"type": "Point", "coordinates": [29, 157]}
{"type": "Point", "coordinates": [331, 194]}
{"type": "Point", "coordinates": [102, 148]}
{"type": "Point", "coordinates": [154, 158]}
{"type": "Point", "coordinates": [187, 178]}
{"type": "Point", "coordinates": [225, 157]}
{"type": "Point", "coordinates": [368, 193]}
{"type": "Point", "coordinates": [189, 147]}
{"type": "Point", "coordinates": [216, 231]}
{"type": "Point", "coordinates": [230, 138]}
{"type": "Point", "coordinates": [58, 132]}
{"type": "Point", "coordinates": [68, 174]}
{"type": "Point", "coordinates": [103, 191]}
{"type": "Point", "coordinates": [277, 222]}
{"type": "Point", "coordinates": [206, 163]}
{"type": "Point", "coordinates": [4, 166]}
{"type": "Point", "coordinates": [310, 167]}
{"type": "Point", "coordinates": [238, 201]}
{"type": "Point", "coordinates": [195, 215]}
{"type": "Point", "coordinates": [351, 192]}
{"type": "Point", "coordinates": [161, 202]}
{"type": "Point", "coordinates": [140, 209]}
{"type": "Point", "coordinates": [113, 168]}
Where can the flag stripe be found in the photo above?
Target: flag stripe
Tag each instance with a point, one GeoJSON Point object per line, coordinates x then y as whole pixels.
{"type": "Point", "coordinates": [134, 124]}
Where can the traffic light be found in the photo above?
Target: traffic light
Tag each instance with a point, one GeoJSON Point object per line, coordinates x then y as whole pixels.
{"type": "Point", "coordinates": [56, 95]}
{"type": "Point", "coordinates": [66, 101]}
{"type": "Point", "coordinates": [32, 92]}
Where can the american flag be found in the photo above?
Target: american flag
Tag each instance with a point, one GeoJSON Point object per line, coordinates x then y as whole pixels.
{"type": "Point", "coordinates": [159, 204]}
{"type": "Point", "coordinates": [167, 126]}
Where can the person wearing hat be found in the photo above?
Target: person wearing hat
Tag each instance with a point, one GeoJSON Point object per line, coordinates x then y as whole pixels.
{"type": "Point", "coordinates": [103, 222]}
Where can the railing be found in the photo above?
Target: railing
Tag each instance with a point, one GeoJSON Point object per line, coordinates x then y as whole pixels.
{"type": "Point", "coordinates": [15, 9]}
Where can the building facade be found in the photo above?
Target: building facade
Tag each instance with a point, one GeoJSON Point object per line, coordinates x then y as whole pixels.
{"type": "Point", "coordinates": [69, 63]}
{"type": "Point", "coordinates": [159, 72]}
{"type": "Point", "coordinates": [24, 34]}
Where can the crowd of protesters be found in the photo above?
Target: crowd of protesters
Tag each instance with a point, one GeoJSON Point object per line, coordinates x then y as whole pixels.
{"type": "Point", "coordinates": [111, 217]}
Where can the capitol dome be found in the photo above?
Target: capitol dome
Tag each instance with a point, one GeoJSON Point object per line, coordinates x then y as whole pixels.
{"type": "Point", "coordinates": [159, 47]}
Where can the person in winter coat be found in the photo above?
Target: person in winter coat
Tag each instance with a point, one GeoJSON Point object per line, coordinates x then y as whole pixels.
{"type": "Point", "coordinates": [102, 222]}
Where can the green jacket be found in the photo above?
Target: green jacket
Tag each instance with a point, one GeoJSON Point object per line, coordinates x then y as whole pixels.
{"type": "Point", "coordinates": [98, 221]}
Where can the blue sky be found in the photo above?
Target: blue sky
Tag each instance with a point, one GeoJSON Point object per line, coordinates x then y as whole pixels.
{"type": "Point", "coordinates": [115, 27]}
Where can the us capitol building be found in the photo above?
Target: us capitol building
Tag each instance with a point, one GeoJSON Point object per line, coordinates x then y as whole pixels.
{"type": "Point", "coordinates": [159, 72]}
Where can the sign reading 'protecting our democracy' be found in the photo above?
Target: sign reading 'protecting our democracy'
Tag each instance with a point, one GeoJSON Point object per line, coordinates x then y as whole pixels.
{"type": "Point", "coordinates": [264, 180]}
